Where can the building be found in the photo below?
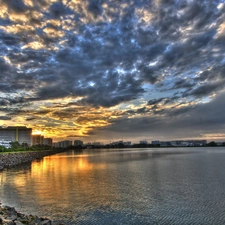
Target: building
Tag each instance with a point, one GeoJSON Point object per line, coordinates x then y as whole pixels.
{"type": "Point", "coordinates": [127, 143]}
{"type": "Point", "coordinates": [120, 143]}
{"type": "Point", "coordinates": [181, 143]}
{"type": "Point", "coordinates": [165, 143]}
{"type": "Point", "coordinates": [189, 143]}
{"type": "Point", "coordinates": [143, 142]}
{"type": "Point", "coordinates": [156, 142]}
{"type": "Point", "coordinates": [64, 144]}
{"type": "Point", "coordinates": [198, 142]}
{"type": "Point", "coordinates": [56, 144]}
{"type": "Point", "coordinates": [37, 139]}
{"type": "Point", "coordinates": [95, 143]}
{"type": "Point", "coordinates": [48, 141]}
{"type": "Point", "coordinates": [78, 142]}
{"type": "Point", "coordinates": [5, 143]}
{"type": "Point", "coordinates": [20, 134]}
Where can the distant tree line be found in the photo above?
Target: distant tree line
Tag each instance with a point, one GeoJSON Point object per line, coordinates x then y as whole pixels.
{"type": "Point", "coordinates": [213, 144]}
{"type": "Point", "coordinates": [122, 145]}
{"type": "Point", "coordinates": [17, 147]}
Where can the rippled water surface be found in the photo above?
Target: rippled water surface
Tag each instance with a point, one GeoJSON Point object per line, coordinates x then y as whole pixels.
{"type": "Point", "coordinates": [134, 186]}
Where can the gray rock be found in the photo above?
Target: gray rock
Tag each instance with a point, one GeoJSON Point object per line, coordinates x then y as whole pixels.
{"type": "Point", "coordinates": [12, 217]}
{"type": "Point", "coordinates": [46, 222]}
{"type": "Point", "coordinates": [8, 222]}
{"type": "Point", "coordinates": [35, 219]}
{"type": "Point", "coordinates": [19, 223]}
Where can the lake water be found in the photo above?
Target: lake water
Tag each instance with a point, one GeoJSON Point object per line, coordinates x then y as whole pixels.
{"type": "Point", "coordinates": [132, 186]}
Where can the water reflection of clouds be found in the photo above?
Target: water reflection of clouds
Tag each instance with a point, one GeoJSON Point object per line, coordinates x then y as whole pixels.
{"type": "Point", "coordinates": [51, 178]}
{"type": "Point", "coordinates": [65, 173]}
{"type": "Point", "coordinates": [103, 187]}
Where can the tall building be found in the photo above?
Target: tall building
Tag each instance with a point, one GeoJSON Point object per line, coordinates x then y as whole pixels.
{"type": "Point", "coordinates": [48, 141]}
{"type": "Point", "coordinates": [78, 142]}
{"type": "Point", "coordinates": [65, 144]}
{"type": "Point", "coordinates": [157, 142]}
{"type": "Point", "coordinates": [37, 139]}
{"type": "Point", "coordinates": [20, 134]}
{"type": "Point", "coordinates": [143, 142]}
{"type": "Point", "coordinates": [55, 144]}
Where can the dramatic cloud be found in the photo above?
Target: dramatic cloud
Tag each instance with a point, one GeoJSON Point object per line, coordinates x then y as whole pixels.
{"type": "Point", "coordinates": [72, 68]}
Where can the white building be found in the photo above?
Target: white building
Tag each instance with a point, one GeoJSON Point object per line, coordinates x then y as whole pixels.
{"type": "Point", "coordinates": [19, 134]}
{"type": "Point", "coordinates": [5, 142]}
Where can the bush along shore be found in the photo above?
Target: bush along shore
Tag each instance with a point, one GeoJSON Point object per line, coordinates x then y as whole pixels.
{"type": "Point", "coordinates": [13, 159]}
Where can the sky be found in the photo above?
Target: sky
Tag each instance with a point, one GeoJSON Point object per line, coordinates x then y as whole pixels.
{"type": "Point", "coordinates": [108, 70]}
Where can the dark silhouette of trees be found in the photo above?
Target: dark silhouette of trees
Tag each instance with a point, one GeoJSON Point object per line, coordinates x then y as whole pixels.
{"type": "Point", "coordinates": [212, 144]}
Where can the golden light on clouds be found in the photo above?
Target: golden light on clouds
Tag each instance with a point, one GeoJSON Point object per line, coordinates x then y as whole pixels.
{"type": "Point", "coordinates": [29, 3]}
{"type": "Point", "coordinates": [66, 120]}
{"type": "Point", "coordinates": [3, 11]}
{"type": "Point", "coordinates": [145, 15]}
{"type": "Point", "coordinates": [19, 18]}
{"type": "Point", "coordinates": [221, 31]}
{"type": "Point", "coordinates": [53, 33]}
{"type": "Point", "coordinates": [37, 132]}
{"type": "Point", "coordinates": [34, 45]}
{"type": "Point", "coordinates": [18, 28]}
{"type": "Point", "coordinates": [214, 136]}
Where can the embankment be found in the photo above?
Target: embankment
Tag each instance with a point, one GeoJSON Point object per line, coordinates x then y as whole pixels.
{"type": "Point", "coordinates": [13, 159]}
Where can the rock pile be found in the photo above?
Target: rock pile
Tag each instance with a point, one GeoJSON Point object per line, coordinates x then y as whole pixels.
{"type": "Point", "coordinates": [13, 159]}
{"type": "Point", "coordinates": [9, 216]}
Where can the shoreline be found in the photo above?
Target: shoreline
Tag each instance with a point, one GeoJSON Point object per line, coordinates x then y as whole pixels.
{"type": "Point", "coordinates": [9, 216]}
{"type": "Point", "coordinates": [8, 160]}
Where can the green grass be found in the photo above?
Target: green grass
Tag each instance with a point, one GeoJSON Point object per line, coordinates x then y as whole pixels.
{"type": "Point", "coordinates": [18, 150]}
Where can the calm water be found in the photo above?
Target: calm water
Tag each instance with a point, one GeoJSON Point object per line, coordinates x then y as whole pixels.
{"type": "Point", "coordinates": [136, 186]}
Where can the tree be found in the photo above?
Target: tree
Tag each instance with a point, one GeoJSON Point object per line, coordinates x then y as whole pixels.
{"type": "Point", "coordinates": [2, 148]}
{"type": "Point", "coordinates": [121, 145]}
{"type": "Point", "coordinates": [212, 144]}
{"type": "Point", "coordinates": [15, 145]}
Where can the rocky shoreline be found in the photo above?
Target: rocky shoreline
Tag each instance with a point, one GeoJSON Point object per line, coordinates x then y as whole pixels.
{"type": "Point", "coordinates": [13, 159]}
{"type": "Point", "coordinates": [9, 216]}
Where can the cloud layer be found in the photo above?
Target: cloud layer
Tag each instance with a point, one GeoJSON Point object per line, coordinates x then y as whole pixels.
{"type": "Point", "coordinates": [77, 68]}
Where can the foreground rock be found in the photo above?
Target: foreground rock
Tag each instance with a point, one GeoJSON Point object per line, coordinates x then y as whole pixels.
{"type": "Point", "coordinates": [9, 216]}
